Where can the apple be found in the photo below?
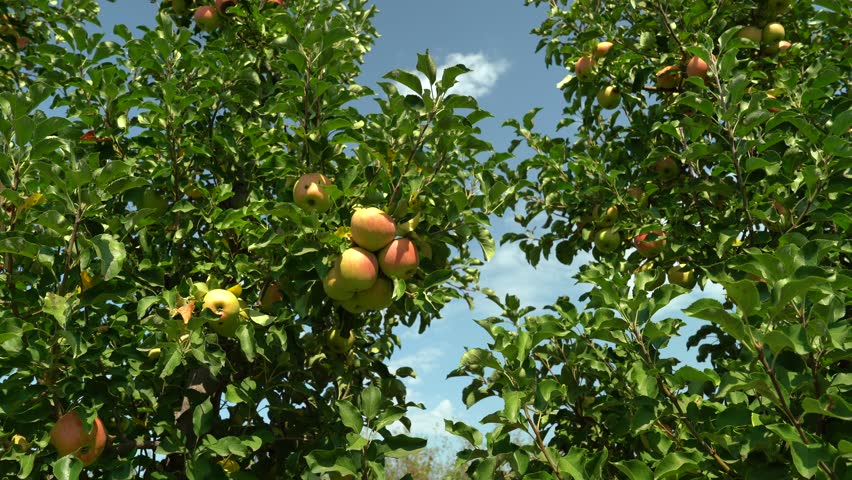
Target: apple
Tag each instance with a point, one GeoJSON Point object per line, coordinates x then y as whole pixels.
{"type": "Point", "coordinates": [270, 296]}
{"type": "Point", "coordinates": [206, 18]}
{"type": "Point", "coordinates": [377, 297]}
{"type": "Point", "coordinates": [696, 67]}
{"type": "Point", "coordinates": [607, 240]}
{"type": "Point", "coordinates": [340, 343]}
{"type": "Point", "coordinates": [22, 42]}
{"type": "Point", "coordinates": [308, 192]}
{"type": "Point", "coordinates": [583, 68]}
{"type": "Point", "coordinates": [773, 33]}
{"type": "Point", "coordinates": [69, 436]}
{"type": "Point", "coordinates": [179, 6]}
{"type": "Point", "coordinates": [226, 306]}
{"type": "Point", "coordinates": [334, 286]}
{"type": "Point", "coordinates": [20, 443]}
{"type": "Point", "coordinates": [608, 218]}
{"type": "Point", "coordinates": [608, 97]}
{"type": "Point", "coordinates": [154, 353]}
{"type": "Point", "coordinates": [667, 168]}
{"type": "Point", "coordinates": [358, 269]}
{"type": "Point", "coordinates": [679, 275]}
{"type": "Point", "coordinates": [223, 5]}
{"type": "Point", "coordinates": [399, 259]}
{"type": "Point", "coordinates": [650, 248]}
{"type": "Point", "coordinates": [601, 49]}
{"type": "Point", "coordinates": [777, 7]}
{"type": "Point", "coordinates": [668, 77]}
{"type": "Point", "coordinates": [780, 47]}
{"type": "Point", "coordinates": [372, 228]}
{"type": "Point", "coordinates": [636, 192]}
{"type": "Point", "coordinates": [280, 3]}
{"type": "Point", "coordinates": [752, 33]}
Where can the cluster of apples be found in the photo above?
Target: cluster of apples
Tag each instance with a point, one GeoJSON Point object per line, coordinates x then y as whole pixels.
{"type": "Point", "coordinates": [360, 278]}
{"type": "Point", "coordinates": [208, 17]}
{"type": "Point", "coordinates": [608, 96]}
{"type": "Point", "coordinates": [770, 36]}
{"type": "Point", "coordinates": [69, 436]}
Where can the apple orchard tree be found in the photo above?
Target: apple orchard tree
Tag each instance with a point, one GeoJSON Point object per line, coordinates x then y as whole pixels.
{"type": "Point", "coordinates": [720, 160]}
{"type": "Point", "coordinates": [159, 279]}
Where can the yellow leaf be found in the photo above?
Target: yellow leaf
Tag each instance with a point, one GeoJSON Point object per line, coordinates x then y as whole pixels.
{"type": "Point", "coordinates": [229, 465]}
{"type": "Point", "coordinates": [32, 201]}
{"type": "Point", "coordinates": [237, 290]}
{"type": "Point", "coordinates": [87, 280]}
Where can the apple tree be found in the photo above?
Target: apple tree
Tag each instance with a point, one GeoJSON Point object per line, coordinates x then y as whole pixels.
{"type": "Point", "coordinates": [705, 167]}
{"type": "Point", "coordinates": [162, 281]}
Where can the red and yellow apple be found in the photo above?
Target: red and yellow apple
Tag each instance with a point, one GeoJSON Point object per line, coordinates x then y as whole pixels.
{"type": "Point", "coordinates": [334, 286]}
{"type": "Point", "coordinates": [601, 49]}
{"type": "Point", "coordinates": [607, 218]}
{"type": "Point", "coordinates": [377, 297]}
{"type": "Point", "coordinates": [372, 228]}
{"type": "Point", "coordinates": [668, 77]}
{"type": "Point", "coordinates": [696, 67]}
{"type": "Point", "coordinates": [399, 259]}
{"type": "Point", "coordinates": [359, 269]}
{"type": "Point", "coordinates": [650, 248]}
{"type": "Point", "coordinates": [206, 18]}
{"type": "Point", "coordinates": [583, 68]}
{"type": "Point", "coordinates": [226, 306]}
{"type": "Point", "coordinates": [69, 436]}
{"type": "Point", "coordinates": [308, 192]}
{"type": "Point", "coordinates": [608, 97]}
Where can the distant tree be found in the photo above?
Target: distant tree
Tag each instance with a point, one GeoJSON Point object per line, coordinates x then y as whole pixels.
{"type": "Point", "coordinates": [708, 144]}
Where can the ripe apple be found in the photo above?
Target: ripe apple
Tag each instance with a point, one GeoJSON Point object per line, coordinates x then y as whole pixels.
{"type": "Point", "coordinates": [668, 77]}
{"type": "Point", "coordinates": [399, 259]}
{"type": "Point", "coordinates": [773, 33]}
{"type": "Point", "coordinates": [583, 68]}
{"type": "Point", "coordinates": [607, 218]}
{"type": "Point", "coordinates": [679, 275]}
{"type": "Point", "coordinates": [377, 297]}
{"type": "Point", "coordinates": [608, 97]}
{"type": "Point", "coordinates": [226, 306]}
{"type": "Point", "coordinates": [223, 5]}
{"type": "Point", "coordinates": [372, 228]}
{"type": "Point", "coordinates": [650, 248]}
{"type": "Point", "coordinates": [69, 436]}
{"type": "Point", "coordinates": [601, 49]}
{"type": "Point", "coordinates": [334, 286]}
{"type": "Point", "coordinates": [308, 192]}
{"type": "Point", "coordinates": [340, 343]}
{"type": "Point", "coordinates": [280, 3]}
{"type": "Point", "coordinates": [696, 67]}
{"type": "Point", "coordinates": [22, 42]}
{"type": "Point", "coordinates": [206, 18]}
{"type": "Point", "coordinates": [752, 33]}
{"type": "Point", "coordinates": [607, 240]}
{"type": "Point", "coordinates": [667, 168]}
{"type": "Point", "coordinates": [358, 269]}
{"type": "Point", "coordinates": [270, 296]}
{"type": "Point", "coordinates": [780, 47]}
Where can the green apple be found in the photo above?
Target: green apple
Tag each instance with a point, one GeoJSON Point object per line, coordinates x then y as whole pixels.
{"type": "Point", "coordinates": [583, 68]}
{"type": "Point", "coordinates": [372, 228]}
{"type": "Point", "coordinates": [226, 306]}
{"type": "Point", "coordinates": [607, 240]}
{"type": "Point", "coordinates": [667, 168]}
{"type": "Point", "coordinates": [773, 33]}
{"type": "Point", "coordinates": [608, 97]}
{"type": "Point", "coordinates": [680, 275]}
{"type": "Point", "coordinates": [206, 18]}
{"type": "Point", "coordinates": [752, 33]}
{"type": "Point", "coordinates": [309, 194]}
{"type": "Point", "coordinates": [650, 248]}
{"type": "Point", "coordinates": [399, 259]}
{"type": "Point", "coordinates": [607, 218]}
{"type": "Point", "coordinates": [340, 343]}
{"type": "Point", "coordinates": [359, 269]}
{"type": "Point", "coordinates": [601, 49]}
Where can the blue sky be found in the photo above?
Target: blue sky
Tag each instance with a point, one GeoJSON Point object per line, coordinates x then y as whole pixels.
{"type": "Point", "coordinates": [492, 38]}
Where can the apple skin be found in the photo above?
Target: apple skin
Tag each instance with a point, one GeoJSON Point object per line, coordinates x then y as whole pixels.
{"type": "Point", "coordinates": [696, 67]}
{"type": "Point", "coordinates": [223, 5]}
{"type": "Point", "coordinates": [338, 343]}
{"type": "Point", "coordinates": [601, 49]}
{"type": "Point", "coordinates": [583, 68]}
{"type": "Point", "coordinates": [608, 97]}
{"type": "Point", "coordinates": [399, 259]}
{"type": "Point", "coordinates": [668, 77]}
{"type": "Point", "coordinates": [377, 297]}
{"type": "Point", "coordinates": [372, 228]}
{"type": "Point", "coordinates": [607, 218]}
{"type": "Point", "coordinates": [68, 436]}
{"type": "Point", "coordinates": [309, 194]}
{"type": "Point", "coordinates": [359, 269]}
{"type": "Point", "coordinates": [226, 306]}
{"type": "Point", "coordinates": [667, 168]}
{"type": "Point", "coordinates": [334, 286]}
{"type": "Point", "coordinates": [22, 42]}
{"type": "Point", "coordinates": [280, 3]}
{"type": "Point", "coordinates": [780, 47]}
{"type": "Point", "coordinates": [679, 275]}
{"type": "Point", "coordinates": [206, 18]}
{"type": "Point", "coordinates": [179, 6]}
{"type": "Point", "coordinates": [607, 240]}
{"type": "Point", "coordinates": [636, 192]}
{"type": "Point", "coordinates": [773, 33]}
{"type": "Point", "coordinates": [752, 33]}
{"type": "Point", "coordinates": [650, 248]}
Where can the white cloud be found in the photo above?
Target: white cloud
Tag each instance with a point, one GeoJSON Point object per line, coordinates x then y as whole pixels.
{"type": "Point", "coordinates": [430, 423]}
{"type": "Point", "coordinates": [422, 361]}
{"type": "Point", "coordinates": [478, 82]}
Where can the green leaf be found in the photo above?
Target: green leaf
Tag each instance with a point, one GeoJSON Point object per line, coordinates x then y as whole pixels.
{"type": "Point", "coordinates": [634, 470]}
{"type": "Point", "coordinates": [486, 242]}
{"type": "Point", "coordinates": [370, 400]}
{"type": "Point", "coordinates": [202, 418]}
{"type": "Point", "coordinates": [426, 66]}
{"type": "Point", "coordinates": [512, 405]}
{"type": "Point", "coordinates": [830, 405]}
{"type": "Point", "coordinates": [408, 79]}
{"type": "Point", "coordinates": [18, 246]}
{"type": "Point", "coordinates": [350, 415]}
{"type": "Point", "coordinates": [711, 310]}
{"type": "Point", "coordinates": [403, 445]}
{"type": "Point", "coordinates": [245, 334]}
{"type": "Point", "coordinates": [806, 458]}
{"type": "Point", "coordinates": [174, 357]}
{"type": "Point", "coordinates": [448, 78]}
{"type": "Point", "coordinates": [744, 295]}
{"type": "Point", "coordinates": [27, 462]}
{"type": "Point", "coordinates": [675, 464]}
{"type": "Point", "coordinates": [461, 429]}
{"type": "Point", "coordinates": [144, 304]}
{"type": "Point", "coordinates": [67, 468]}
{"type": "Point", "coordinates": [111, 253]}
{"type": "Point", "coordinates": [57, 306]}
